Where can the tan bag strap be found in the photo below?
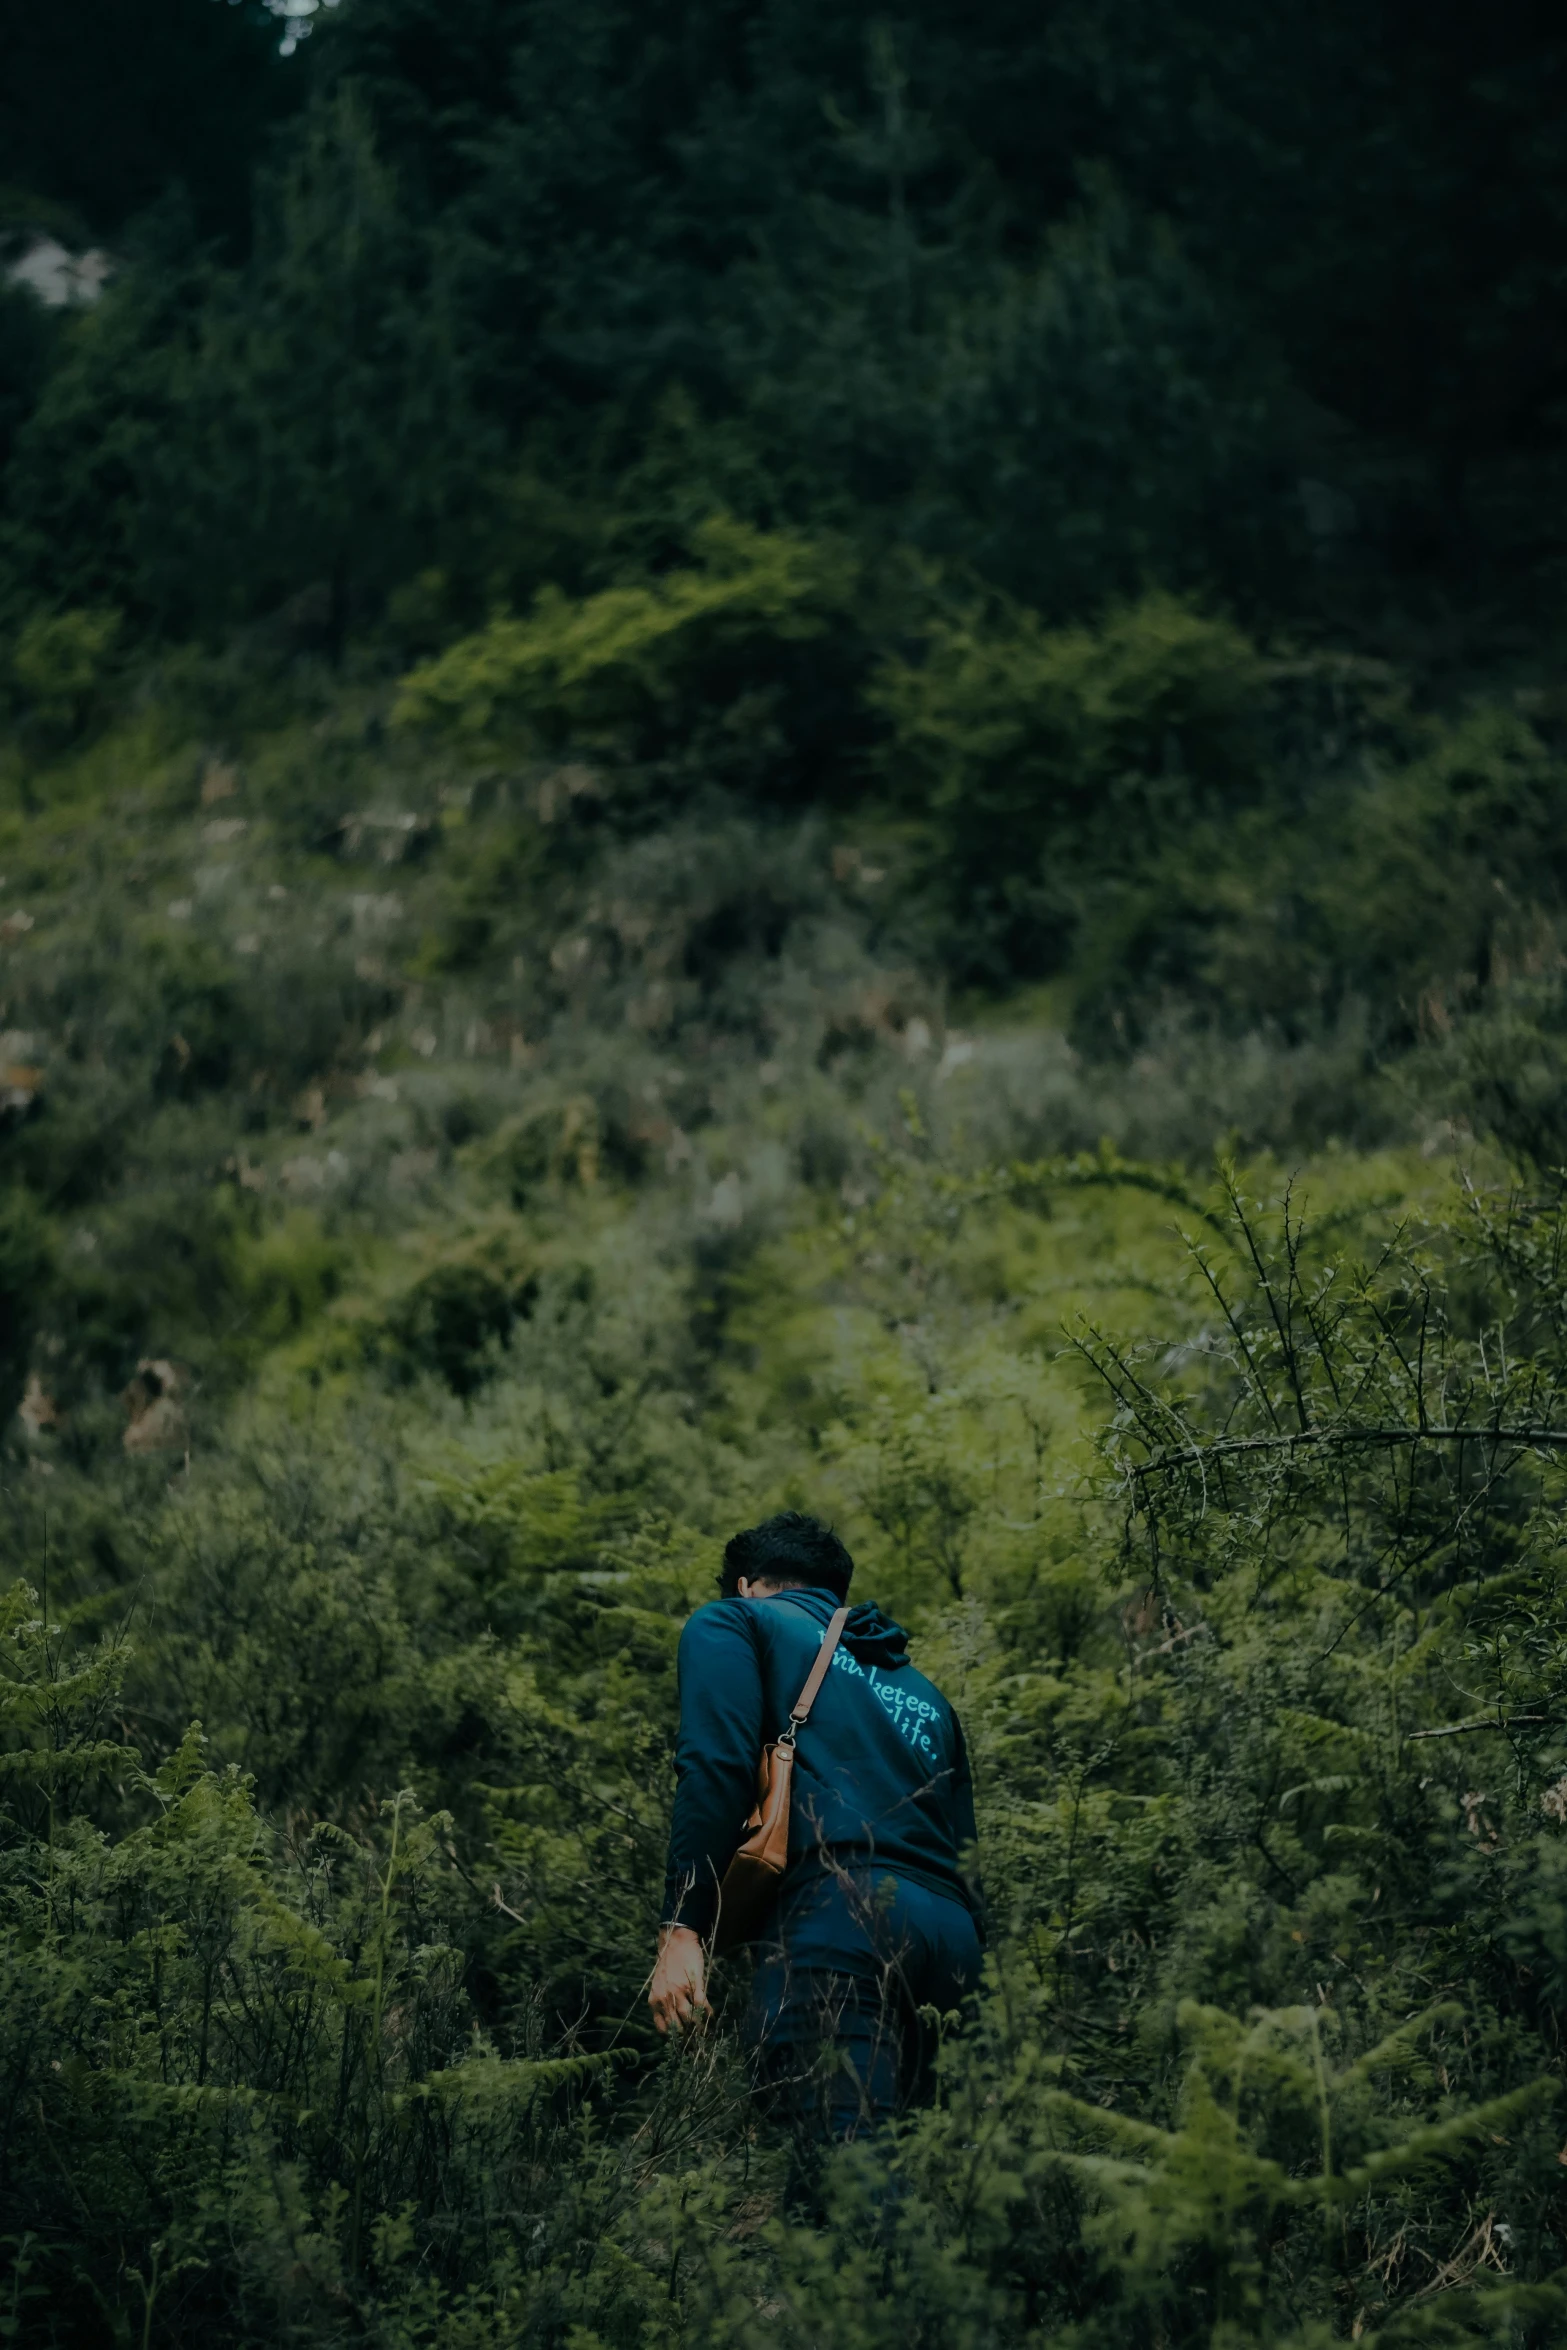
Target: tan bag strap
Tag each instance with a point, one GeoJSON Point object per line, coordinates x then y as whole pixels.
{"type": "Point", "coordinates": [800, 1711]}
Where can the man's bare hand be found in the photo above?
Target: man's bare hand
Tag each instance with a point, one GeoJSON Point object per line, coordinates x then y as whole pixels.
{"type": "Point", "coordinates": [678, 1992]}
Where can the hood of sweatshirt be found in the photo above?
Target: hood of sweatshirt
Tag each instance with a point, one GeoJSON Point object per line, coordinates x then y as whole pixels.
{"type": "Point", "coordinates": [874, 1639]}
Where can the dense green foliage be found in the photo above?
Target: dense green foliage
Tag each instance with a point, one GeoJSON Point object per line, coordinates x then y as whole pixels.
{"type": "Point", "coordinates": [761, 757]}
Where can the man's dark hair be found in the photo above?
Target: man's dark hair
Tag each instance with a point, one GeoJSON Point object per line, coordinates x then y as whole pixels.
{"type": "Point", "coordinates": [788, 1549]}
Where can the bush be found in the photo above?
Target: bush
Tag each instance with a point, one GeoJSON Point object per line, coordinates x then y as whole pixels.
{"type": "Point", "coordinates": [61, 666]}
{"type": "Point", "coordinates": [1043, 758]}
{"type": "Point", "coordinates": [457, 1320]}
{"type": "Point", "coordinates": [1434, 870]}
{"type": "Point", "coordinates": [628, 668]}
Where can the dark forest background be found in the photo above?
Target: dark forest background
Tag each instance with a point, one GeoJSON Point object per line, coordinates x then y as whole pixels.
{"type": "Point", "coordinates": [756, 754]}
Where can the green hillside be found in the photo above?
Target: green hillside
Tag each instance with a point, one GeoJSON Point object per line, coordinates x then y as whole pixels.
{"type": "Point", "coordinates": [767, 759]}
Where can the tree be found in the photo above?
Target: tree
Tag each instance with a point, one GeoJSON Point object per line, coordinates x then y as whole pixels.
{"type": "Point", "coordinates": [215, 441]}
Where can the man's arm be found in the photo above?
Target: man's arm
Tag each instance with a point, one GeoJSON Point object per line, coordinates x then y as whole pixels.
{"type": "Point", "coordinates": [720, 1744]}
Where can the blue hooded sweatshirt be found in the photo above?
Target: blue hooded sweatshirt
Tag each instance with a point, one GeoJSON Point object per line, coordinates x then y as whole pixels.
{"type": "Point", "coordinates": [881, 1772]}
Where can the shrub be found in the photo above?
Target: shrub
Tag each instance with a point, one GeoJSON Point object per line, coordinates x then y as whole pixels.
{"type": "Point", "coordinates": [626, 667]}
{"type": "Point", "coordinates": [61, 665]}
{"type": "Point", "coordinates": [457, 1320]}
{"type": "Point", "coordinates": [1413, 884]}
{"type": "Point", "coordinates": [1042, 757]}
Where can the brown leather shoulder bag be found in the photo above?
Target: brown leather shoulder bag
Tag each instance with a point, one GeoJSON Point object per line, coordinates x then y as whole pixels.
{"type": "Point", "coordinates": [752, 1878]}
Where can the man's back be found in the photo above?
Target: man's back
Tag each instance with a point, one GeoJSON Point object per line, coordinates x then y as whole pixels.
{"type": "Point", "coordinates": [881, 1772]}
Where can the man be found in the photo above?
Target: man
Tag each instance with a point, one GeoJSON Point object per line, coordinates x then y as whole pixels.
{"type": "Point", "coordinates": [875, 1919]}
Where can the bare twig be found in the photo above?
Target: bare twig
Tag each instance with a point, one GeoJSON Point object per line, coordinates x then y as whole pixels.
{"type": "Point", "coordinates": [1290, 1440]}
{"type": "Point", "coordinates": [1479, 1722]}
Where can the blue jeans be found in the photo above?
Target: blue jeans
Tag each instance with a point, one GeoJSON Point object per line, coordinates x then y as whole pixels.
{"type": "Point", "coordinates": [850, 1958]}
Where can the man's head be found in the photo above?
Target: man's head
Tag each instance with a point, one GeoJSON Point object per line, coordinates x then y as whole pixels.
{"type": "Point", "coordinates": [790, 1552]}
